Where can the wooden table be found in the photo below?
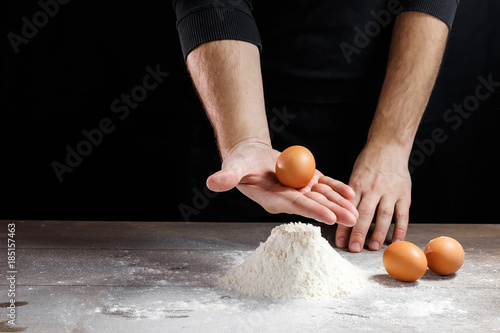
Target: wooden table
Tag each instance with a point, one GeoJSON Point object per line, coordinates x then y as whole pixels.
{"type": "Point", "coordinates": [162, 277]}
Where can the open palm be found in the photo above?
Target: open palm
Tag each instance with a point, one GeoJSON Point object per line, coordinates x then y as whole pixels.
{"type": "Point", "coordinates": [251, 169]}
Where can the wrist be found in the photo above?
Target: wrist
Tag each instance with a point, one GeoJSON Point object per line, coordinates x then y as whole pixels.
{"type": "Point", "coordinates": [389, 137]}
{"type": "Point", "coordinates": [253, 141]}
{"type": "Point", "coordinates": [389, 145]}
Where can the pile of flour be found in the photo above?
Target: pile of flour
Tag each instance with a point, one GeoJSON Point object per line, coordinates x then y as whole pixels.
{"type": "Point", "coordinates": [295, 263]}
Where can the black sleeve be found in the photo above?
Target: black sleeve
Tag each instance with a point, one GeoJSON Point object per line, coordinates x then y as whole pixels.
{"type": "Point", "coordinates": [202, 21]}
{"type": "Point", "coordinates": [442, 9]}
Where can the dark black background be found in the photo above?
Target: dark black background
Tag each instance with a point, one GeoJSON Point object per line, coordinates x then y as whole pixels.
{"type": "Point", "coordinates": [66, 77]}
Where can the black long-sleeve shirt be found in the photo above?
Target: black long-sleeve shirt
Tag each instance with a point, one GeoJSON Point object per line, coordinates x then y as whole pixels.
{"type": "Point", "coordinates": [312, 50]}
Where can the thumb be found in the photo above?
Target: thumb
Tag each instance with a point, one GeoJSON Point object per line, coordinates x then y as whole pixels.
{"type": "Point", "coordinates": [225, 179]}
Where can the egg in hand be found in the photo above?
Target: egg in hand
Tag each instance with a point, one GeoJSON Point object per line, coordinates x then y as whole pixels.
{"type": "Point", "coordinates": [295, 167]}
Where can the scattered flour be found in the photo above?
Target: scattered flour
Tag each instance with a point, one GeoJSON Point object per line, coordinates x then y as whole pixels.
{"type": "Point", "coordinates": [138, 313]}
{"type": "Point", "coordinates": [423, 309]}
{"type": "Point", "coordinates": [295, 263]}
{"type": "Point", "coordinates": [416, 308]}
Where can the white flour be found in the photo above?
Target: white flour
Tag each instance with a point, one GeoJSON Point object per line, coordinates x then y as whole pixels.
{"type": "Point", "coordinates": [295, 263]}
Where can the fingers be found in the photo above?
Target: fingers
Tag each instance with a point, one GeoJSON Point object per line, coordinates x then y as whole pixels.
{"type": "Point", "coordinates": [343, 215]}
{"type": "Point", "coordinates": [366, 209]}
{"type": "Point", "coordinates": [335, 197]}
{"type": "Point", "coordinates": [343, 189]}
{"type": "Point", "coordinates": [385, 213]}
{"type": "Point", "coordinates": [223, 180]}
{"type": "Point", "coordinates": [402, 218]}
{"type": "Point", "coordinates": [305, 206]}
{"type": "Point", "coordinates": [342, 236]}
{"type": "Point", "coordinates": [343, 208]}
{"type": "Point", "coordinates": [386, 209]}
{"type": "Point", "coordinates": [384, 218]}
{"type": "Point", "coordinates": [227, 178]}
{"type": "Point", "coordinates": [323, 203]}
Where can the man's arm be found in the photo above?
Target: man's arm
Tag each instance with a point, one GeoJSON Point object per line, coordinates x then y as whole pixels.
{"type": "Point", "coordinates": [220, 42]}
{"type": "Point", "coordinates": [228, 80]}
{"type": "Point", "coordinates": [227, 76]}
{"type": "Point", "coordinates": [380, 176]}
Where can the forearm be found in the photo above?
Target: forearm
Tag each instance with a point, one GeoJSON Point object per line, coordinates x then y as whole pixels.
{"type": "Point", "coordinates": [416, 51]}
{"type": "Point", "coordinates": [227, 76]}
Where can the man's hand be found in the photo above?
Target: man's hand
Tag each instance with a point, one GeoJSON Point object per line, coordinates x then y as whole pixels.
{"type": "Point", "coordinates": [227, 77]}
{"type": "Point", "coordinates": [251, 168]}
{"type": "Point", "coordinates": [380, 175]}
{"type": "Point", "coordinates": [382, 183]}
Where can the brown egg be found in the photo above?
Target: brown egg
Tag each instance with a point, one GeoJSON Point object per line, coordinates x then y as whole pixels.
{"type": "Point", "coordinates": [444, 255]}
{"type": "Point", "coordinates": [295, 167]}
{"type": "Point", "coordinates": [405, 261]}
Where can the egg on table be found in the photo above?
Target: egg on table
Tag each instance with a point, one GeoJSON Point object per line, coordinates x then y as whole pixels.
{"type": "Point", "coordinates": [444, 255]}
{"type": "Point", "coordinates": [404, 261]}
{"type": "Point", "coordinates": [295, 167]}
